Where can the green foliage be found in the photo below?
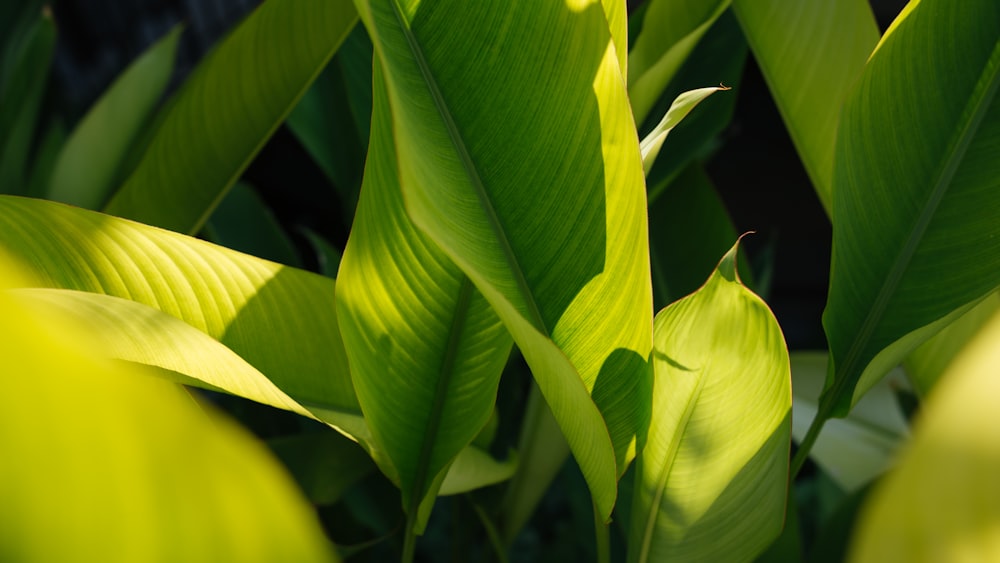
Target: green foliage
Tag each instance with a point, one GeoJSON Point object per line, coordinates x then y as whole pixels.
{"type": "Point", "coordinates": [486, 157]}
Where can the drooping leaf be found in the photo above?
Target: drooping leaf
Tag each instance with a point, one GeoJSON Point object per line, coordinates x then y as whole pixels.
{"type": "Point", "coordinates": [811, 55]}
{"type": "Point", "coordinates": [21, 97]}
{"type": "Point", "coordinates": [228, 108]}
{"type": "Point", "coordinates": [243, 222]}
{"type": "Point", "coordinates": [426, 349]}
{"type": "Point", "coordinates": [90, 163]}
{"type": "Point", "coordinates": [524, 168]}
{"type": "Point", "coordinates": [942, 502]}
{"type": "Point", "coordinates": [682, 105]}
{"type": "Point", "coordinates": [711, 478]}
{"type": "Point", "coordinates": [718, 58]}
{"type": "Point", "coordinates": [859, 448]}
{"type": "Point", "coordinates": [916, 240]}
{"type": "Point", "coordinates": [927, 363]}
{"type": "Point", "coordinates": [250, 327]}
{"type": "Point", "coordinates": [670, 31]}
{"type": "Point", "coordinates": [121, 467]}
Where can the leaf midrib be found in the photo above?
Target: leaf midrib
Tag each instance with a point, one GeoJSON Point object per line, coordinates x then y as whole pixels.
{"type": "Point", "coordinates": [534, 315]}
{"type": "Point", "coordinates": [959, 144]}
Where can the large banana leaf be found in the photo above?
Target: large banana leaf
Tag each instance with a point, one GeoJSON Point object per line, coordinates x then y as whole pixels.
{"type": "Point", "coordinates": [811, 54]}
{"type": "Point", "coordinates": [426, 349]}
{"type": "Point", "coordinates": [103, 464]}
{"type": "Point", "coordinates": [251, 327]}
{"type": "Point", "coordinates": [916, 239]}
{"type": "Point", "coordinates": [91, 160]}
{"type": "Point", "coordinates": [228, 108]}
{"type": "Point", "coordinates": [524, 167]}
{"type": "Point", "coordinates": [670, 31]}
{"type": "Point", "coordinates": [942, 503]}
{"type": "Point", "coordinates": [712, 477]}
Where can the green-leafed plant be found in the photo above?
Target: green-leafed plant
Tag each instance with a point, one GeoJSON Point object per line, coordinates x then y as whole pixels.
{"type": "Point", "coordinates": [511, 177]}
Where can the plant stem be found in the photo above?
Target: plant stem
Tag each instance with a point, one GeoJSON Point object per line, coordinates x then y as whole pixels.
{"type": "Point", "coordinates": [410, 537]}
{"type": "Point", "coordinates": [499, 550]}
{"type": "Point", "coordinates": [807, 443]}
{"type": "Point", "coordinates": [602, 538]}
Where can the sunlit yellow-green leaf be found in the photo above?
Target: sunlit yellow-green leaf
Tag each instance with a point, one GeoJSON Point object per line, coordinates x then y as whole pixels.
{"type": "Point", "coordinates": [524, 168]}
{"type": "Point", "coordinates": [103, 464]}
{"type": "Point", "coordinates": [426, 349]}
{"type": "Point", "coordinates": [942, 502]}
{"type": "Point", "coordinates": [916, 240]}
{"type": "Point", "coordinates": [811, 54]}
{"type": "Point", "coordinates": [712, 476]}
{"type": "Point", "coordinates": [91, 160]}
{"type": "Point", "coordinates": [683, 104]}
{"type": "Point", "coordinates": [228, 108]}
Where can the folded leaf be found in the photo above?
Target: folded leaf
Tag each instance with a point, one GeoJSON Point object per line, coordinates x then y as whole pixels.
{"type": "Point", "coordinates": [916, 239]}
{"type": "Point", "coordinates": [942, 502]}
{"type": "Point", "coordinates": [524, 168]}
{"type": "Point", "coordinates": [120, 467]}
{"type": "Point", "coordinates": [426, 349]}
{"type": "Point", "coordinates": [670, 31]}
{"type": "Point", "coordinates": [228, 108]}
{"type": "Point", "coordinates": [712, 476]}
{"type": "Point", "coordinates": [683, 104]}
{"type": "Point", "coordinates": [811, 54]}
{"type": "Point", "coordinates": [91, 160]}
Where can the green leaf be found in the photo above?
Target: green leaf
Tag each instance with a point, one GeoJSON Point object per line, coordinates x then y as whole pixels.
{"type": "Point", "coordinates": [718, 58]}
{"type": "Point", "coordinates": [682, 105]}
{"type": "Point", "coordinates": [525, 170]}
{"type": "Point", "coordinates": [859, 448]}
{"type": "Point", "coordinates": [243, 222]}
{"type": "Point", "coordinates": [811, 55]}
{"type": "Point", "coordinates": [90, 165]}
{"type": "Point", "coordinates": [21, 97]}
{"type": "Point", "coordinates": [228, 108]}
{"type": "Point", "coordinates": [616, 11]}
{"type": "Point", "coordinates": [916, 239]}
{"type": "Point", "coordinates": [120, 467]}
{"type": "Point", "coordinates": [712, 476]}
{"type": "Point", "coordinates": [926, 364]}
{"type": "Point", "coordinates": [942, 502]}
{"type": "Point", "coordinates": [670, 31]}
{"type": "Point", "coordinates": [426, 349]}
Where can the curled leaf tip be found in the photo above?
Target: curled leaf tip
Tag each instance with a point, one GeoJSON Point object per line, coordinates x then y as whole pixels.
{"type": "Point", "coordinates": [727, 266]}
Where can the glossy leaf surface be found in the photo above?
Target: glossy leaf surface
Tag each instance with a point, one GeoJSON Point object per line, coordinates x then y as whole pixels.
{"type": "Point", "coordinates": [426, 349]}
{"type": "Point", "coordinates": [228, 108]}
{"type": "Point", "coordinates": [711, 480]}
{"type": "Point", "coordinates": [942, 502]}
{"type": "Point", "coordinates": [524, 168]}
{"type": "Point", "coordinates": [916, 239]}
{"type": "Point", "coordinates": [811, 54]}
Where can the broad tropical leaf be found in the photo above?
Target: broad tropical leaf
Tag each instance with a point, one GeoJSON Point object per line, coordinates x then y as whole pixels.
{"type": "Point", "coordinates": [122, 467]}
{"type": "Point", "coordinates": [243, 222]}
{"type": "Point", "coordinates": [91, 161]}
{"type": "Point", "coordinates": [916, 240]}
{"type": "Point", "coordinates": [524, 169]}
{"type": "Point", "coordinates": [811, 54]}
{"type": "Point", "coordinates": [942, 502]}
{"type": "Point", "coordinates": [670, 31]}
{"type": "Point", "coordinates": [712, 476]}
{"type": "Point", "coordinates": [859, 448]}
{"type": "Point", "coordinates": [426, 349]}
{"type": "Point", "coordinates": [228, 108]}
